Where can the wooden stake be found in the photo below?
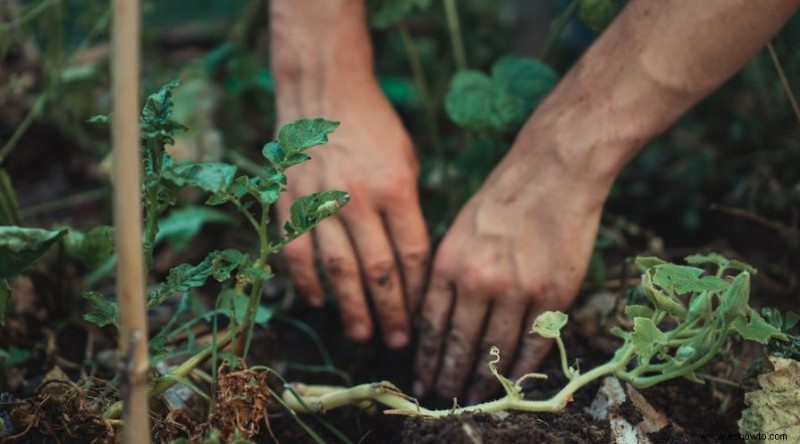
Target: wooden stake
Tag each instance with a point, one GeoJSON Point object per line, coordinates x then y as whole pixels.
{"type": "Point", "coordinates": [134, 362]}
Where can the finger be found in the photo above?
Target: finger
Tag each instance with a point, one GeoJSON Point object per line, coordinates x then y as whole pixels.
{"type": "Point", "coordinates": [502, 331]}
{"type": "Point", "coordinates": [458, 356]}
{"type": "Point", "coordinates": [435, 312]}
{"type": "Point", "coordinates": [409, 236]}
{"type": "Point", "coordinates": [380, 273]}
{"type": "Point", "coordinates": [299, 255]}
{"type": "Point", "coordinates": [341, 266]}
{"type": "Point", "coordinates": [533, 348]}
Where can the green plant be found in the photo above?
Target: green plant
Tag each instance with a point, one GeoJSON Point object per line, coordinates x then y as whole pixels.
{"type": "Point", "coordinates": [684, 317]}
{"type": "Point", "coordinates": [240, 274]}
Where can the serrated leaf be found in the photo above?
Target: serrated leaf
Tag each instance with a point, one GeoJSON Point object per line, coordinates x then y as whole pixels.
{"type": "Point", "coordinates": [92, 248]}
{"type": "Point", "coordinates": [775, 407]}
{"type": "Point", "coordinates": [212, 177]}
{"type": "Point", "coordinates": [305, 133]}
{"type": "Point", "coordinates": [638, 311]}
{"type": "Point", "coordinates": [102, 311]}
{"type": "Point", "coordinates": [549, 324]}
{"type": "Point", "coordinates": [680, 279]}
{"type": "Point", "coordinates": [156, 122]}
{"type": "Point", "coordinates": [180, 226]}
{"type": "Point", "coordinates": [21, 247]}
{"type": "Point", "coordinates": [646, 337]}
{"type": "Point", "coordinates": [755, 328]}
{"type": "Point", "coordinates": [644, 263]}
{"type": "Point", "coordinates": [184, 277]}
{"type": "Point", "coordinates": [307, 211]}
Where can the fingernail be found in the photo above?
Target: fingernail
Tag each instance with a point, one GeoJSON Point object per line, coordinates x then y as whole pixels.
{"type": "Point", "coordinates": [418, 389]}
{"type": "Point", "coordinates": [397, 339]}
{"type": "Point", "coordinates": [359, 332]}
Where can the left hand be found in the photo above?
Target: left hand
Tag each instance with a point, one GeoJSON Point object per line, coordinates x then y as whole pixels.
{"type": "Point", "coordinates": [519, 247]}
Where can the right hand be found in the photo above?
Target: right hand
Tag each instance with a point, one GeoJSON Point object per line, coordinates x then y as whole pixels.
{"type": "Point", "coordinates": [378, 244]}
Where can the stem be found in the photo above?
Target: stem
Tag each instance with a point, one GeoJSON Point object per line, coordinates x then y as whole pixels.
{"type": "Point", "coordinates": [33, 113]}
{"type": "Point", "coordinates": [454, 26]}
{"type": "Point", "coordinates": [784, 81]}
{"type": "Point", "coordinates": [128, 221]}
{"type": "Point", "coordinates": [562, 352]}
{"type": "Point", "coordinates": [66, 202]}
{"type": "Point", "coordinates": [320, 398]}
{"type": "Point", "coordinates": [559, 24]}
{"type": "Point", "coordinates": [28, 16]}
{"type": "Point", "coordinates": [255, 290]}
{"type": "Point", "coordinates": [182, 371]}
{"type": "Point", "coordinates": [422, 88]}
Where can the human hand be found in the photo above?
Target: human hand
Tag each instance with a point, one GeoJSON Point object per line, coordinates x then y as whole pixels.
{"type": "Point", "coordinates": [519, 247]}
{"type": "Point", "coordinates": [378, 244]}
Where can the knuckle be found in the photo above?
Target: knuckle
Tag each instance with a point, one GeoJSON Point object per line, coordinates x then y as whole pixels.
{"type": "Point", "coordinates": [414, 257]}
{"type": "Point", "coordinates": [339, 268]}
{"type": "Point", "coordinates": [381, 272]}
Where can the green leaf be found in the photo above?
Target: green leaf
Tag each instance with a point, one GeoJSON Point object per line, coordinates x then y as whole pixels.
{"type": "Point", "coordinates": [549, 324]}
{"type": "Point", "coordinates": [237, 304]}
{"type": "Point", "coordinates": [503, 101]}
{"type": "Point", "coordinates": [470, 101]}
{"type": "Point", "coordinates": [21, 247]}
{"type": "Point", "coordinates": [525, 78]}
{"type": "Point", "coordinates": [755, 328]}
{"type": "Point", "coordinates": [680, 279]}
{"type": "Point", "coordinates": [182, 278]}
{"type": "Point", "coordinates": [598, 14]}
{"type": "Point", "coordinates": [180, 226]}
{"type": "Point", "coordinates": [305, 133]}
{"type": "Point", "coordinates": [307, 211]}
{"type": "Point", "coordinates": [700, 305]}
{"type": "Point", "coordinates": [212, 177]}
{"type": "Point", "coordinates": [102, 312]}
{"type": "Point", "coordinates": [646, 337]}
{"type": "Point", "coordinates": [791, 320]}
{"type": "Point", "coordinates": [665, 302]}
{"type": "Point", "coordinates": [712, 258]}
{"type": "Point", "coordinates": [92, 248]}
{"type": "Point", "coordinates": [645, 263]}
{"type": "Point", "coordinates": [157, 123]}
{"type": "Point", "coordinates": [738, 265]}
{"type": "Point", "coordinates": [638, 311]}
{"type": "Point", "coordinates": [734, 301]}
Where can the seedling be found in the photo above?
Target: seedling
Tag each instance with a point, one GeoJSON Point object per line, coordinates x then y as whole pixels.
{"type": "Point", "coordinates": [683, 319]}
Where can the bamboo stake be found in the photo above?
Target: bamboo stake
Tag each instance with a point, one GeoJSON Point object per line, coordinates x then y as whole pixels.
{"type": "Point", "coordinates": [134, 362]}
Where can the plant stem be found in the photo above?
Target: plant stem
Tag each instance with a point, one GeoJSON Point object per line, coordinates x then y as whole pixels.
{"type": "Point", "coordinates": [182, 371]}
{"type": "Point", "coordinates": [66, 202]}
{"type": "Point", "coordinates": [320, 398]}
{"type": "Point", "coordinates": [33, 113]}
{"type": "Point", "coordinates": [562, 352]}
{"type": "Point", "coordinates": [255, 290]}
{"type": "Point", "coordinates": [454, 26]}
{"type": "Point", "coordinates": [422, 88]}
{"type": "Point", "coordinates": [784, 81]}
{"type": "Point", "coordinates": [559, 24]}
{"type": "Point", "coordinates": [128, 221]}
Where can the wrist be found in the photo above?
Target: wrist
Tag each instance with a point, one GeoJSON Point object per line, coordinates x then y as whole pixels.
{"type": "Point", "coordinates": [319, 49]}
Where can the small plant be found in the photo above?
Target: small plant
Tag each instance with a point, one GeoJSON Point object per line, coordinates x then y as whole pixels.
{"type": "Point", "coordinates": [241, 275]}
{"type": "Point", "coordinates": [684, 317]}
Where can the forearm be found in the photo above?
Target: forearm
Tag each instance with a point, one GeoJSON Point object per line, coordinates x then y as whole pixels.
{"type": "Point", "coordinates": [317, 46]}
{"type": "Point", "coordinates": [657, 60]}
